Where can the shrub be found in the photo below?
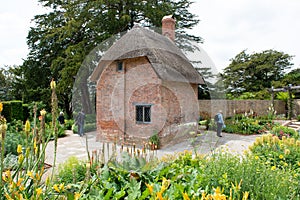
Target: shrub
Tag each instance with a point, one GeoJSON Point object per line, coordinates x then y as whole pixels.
{"type": "Point", "coordinates": [69, 123]}
{"type": "Point", "coordinates": [71, 171]}
{"type": "Point", "coordinates": [89, 127]}
{"type": "Point", "coordinates": [16, 110]}
{"type": "Point", "coordinates": [281, 131]}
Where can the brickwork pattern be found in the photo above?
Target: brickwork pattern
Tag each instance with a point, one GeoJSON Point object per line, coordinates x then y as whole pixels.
{"type": "Point", "coordinates": [118, 92]}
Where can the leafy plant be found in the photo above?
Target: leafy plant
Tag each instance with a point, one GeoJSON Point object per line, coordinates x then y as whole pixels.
{"type": "Point", "coordinates": [154, 140]}
{"type": "Point", "coordinates": [71, 171]}
{"type": "Point", "coordinates": [281, 131]}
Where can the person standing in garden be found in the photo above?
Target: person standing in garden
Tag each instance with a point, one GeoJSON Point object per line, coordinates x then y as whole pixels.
{"type": "Point", "coordinates": [220, 123]}
{"type": "Point", "coordinates": [80, 123]}
{"type": "Point", "coordinates": [61, 118]}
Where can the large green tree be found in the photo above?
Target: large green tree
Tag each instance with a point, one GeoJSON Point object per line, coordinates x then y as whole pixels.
{"type": "Point", "coordinates": [62, 38]}
{"type": "Point", "coordinates": [255, 72]}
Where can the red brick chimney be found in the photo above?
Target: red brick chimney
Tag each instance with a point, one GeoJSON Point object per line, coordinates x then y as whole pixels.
{"type": "Point", "coordinates": [168, 26]}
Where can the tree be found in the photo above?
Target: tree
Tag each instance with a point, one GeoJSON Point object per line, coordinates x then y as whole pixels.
{"type": "Point", "coordinates": [293, 77]}
{"type": "Point", "coordinates": [61, 39]}
{"type": "Point", "coordinates": [9, 87]}
{"type": "Point", "coordinates": [255, 72]}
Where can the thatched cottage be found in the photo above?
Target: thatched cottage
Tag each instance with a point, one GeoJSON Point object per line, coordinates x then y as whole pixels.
{"type": "Point", "coordinates": [145, 85]}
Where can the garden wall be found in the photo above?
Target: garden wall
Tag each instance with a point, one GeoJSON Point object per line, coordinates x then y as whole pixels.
{"type": "Point", "coordinates": [259, 107]}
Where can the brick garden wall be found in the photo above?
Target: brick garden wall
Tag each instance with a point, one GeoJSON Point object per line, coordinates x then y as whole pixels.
{"type": "Point", "coordinates": [260, 107]}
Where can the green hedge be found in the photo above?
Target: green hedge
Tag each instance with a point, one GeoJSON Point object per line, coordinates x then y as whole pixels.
{"type": "Point", "coordinates": [15, 110]}
{"type": "Point", "coordinates": [6, 112]}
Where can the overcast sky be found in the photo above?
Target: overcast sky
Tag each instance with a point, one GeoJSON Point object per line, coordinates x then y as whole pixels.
{"type": "Point", "coordinates": [227, 27]}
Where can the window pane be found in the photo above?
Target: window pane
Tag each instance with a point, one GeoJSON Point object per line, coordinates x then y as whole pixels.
{"type": "Point", "coordinates": [139, 113]}
{"type": "Point", "coordinates": [120, 66]}
{"type": "Point", "coordinates": [147, 114]}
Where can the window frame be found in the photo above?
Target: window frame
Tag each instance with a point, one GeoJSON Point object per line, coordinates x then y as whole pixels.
{"type": "Point", "coordinates": [120, 66]}
{"type": "Point", "coordinates": [143, 107]}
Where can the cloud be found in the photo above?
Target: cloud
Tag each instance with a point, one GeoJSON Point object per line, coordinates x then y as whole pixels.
{"type": "Point", "coordinates": [15, 22]}
{"type": "Point", "coordinates": [230, 26]}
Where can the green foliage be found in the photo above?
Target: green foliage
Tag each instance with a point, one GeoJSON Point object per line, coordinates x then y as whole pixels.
{"type": "Point", "coordinates": [68, 124]}
{"type": "Point", "coordinates": [154, 139]}
{"type": "Point", "coordinates": [61, 40]}
{"type": "Point", "coordinates": [71, 171]}
{"type": "Point", "coordinates": [255, 72]}
{"type": "Point", "coordinates": [89, 127]}
{"type": "Point", "coordinates": [282, 153]}
{"type": "Point", "coordinates": [17, 110]}
{"type": "Point", "coordinates": [263, 94]}
{"type": "Point", "coordinates": [247, 125]}
{"type": "Point", "coordinates": [293, 78]}
{"type": "Point", "coordinates": [14, 136]}
{"type": "Point", "coordinates": [25, 112]}
{"type": "Point", "coordinates": [7, 112]}
{"type": "Point", "coordinates": [281, 131]}
{"type": "Point", "coordinates": [50, 134]}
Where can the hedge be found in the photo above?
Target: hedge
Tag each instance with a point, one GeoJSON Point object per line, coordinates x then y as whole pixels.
{"type": "Point", "coordinates": [14, 110]}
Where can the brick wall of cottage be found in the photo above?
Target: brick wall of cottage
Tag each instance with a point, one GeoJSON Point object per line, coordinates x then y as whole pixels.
{"type": "Point", "coordinates": [118, 92]}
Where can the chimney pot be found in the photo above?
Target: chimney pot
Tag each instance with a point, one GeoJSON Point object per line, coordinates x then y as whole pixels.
{"type": "Point", "coordinates": [168, 26]}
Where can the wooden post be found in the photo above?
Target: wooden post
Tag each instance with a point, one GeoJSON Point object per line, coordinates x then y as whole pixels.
{"type": "Point", "coordinates": [290, 104]}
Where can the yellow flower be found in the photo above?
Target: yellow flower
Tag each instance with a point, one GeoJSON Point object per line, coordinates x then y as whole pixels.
{"type": "Point", "coordinates": [43, 112]}
{"type": "Point", "coordinates": [53, 84]}
{"type": "Point", "coordinates": [281, 156]}
{"type": "Point", "coordinates": [8, 196]}
{"type": "Point", "coordinates": [30, 174]}
{"type": "Point", "coordinates": [273, 168]}
{"type": "Point", "coordinates": [218, 194]}
{"type": "Point", "coordinates": [287, 151]}
{"type": "Point", "coordinates": [150, 187]}
{"type": "Point", "coordinates": [21, 188]}
{"type": "Point", "coordinates": [3, 127]}
{"type": "Point", "coordinates": [21, 158]}
{"type": "Point", "coordinates": [159, 196]}
{"type": "Point", "coordinates": [285, 164]}
{"type": "Point", "coordinates": [298, 163]}
{"type": "Point", "coordinates": [76, 196]}
{"type": "Point", "coordinates": [6, 175]}
{"type": "Point", "coordinates": [165, 184]}
{"type": "Point", "coordinates": [55, 187]}
{"type": "Point", "coordinates": [19, 182]}
{"type": "Point", "coordinates": [245, 195]}
{"type": "Point", "coordinates": [185, 196]}
{"type": "Point", "coordinates": [19, 149]}
{"type": "Point", "coordinates": [61, 187]}
{"type": "Point", "coordinates": [1, 107]}
{"type": "Point", "coordinates": [39, 191]}
{"type": "Point", "coordinates": [27, 126]}
{"type": "Point", "coordinates": [256, 157]}
{"type": "Point", "coordinates": [35, 146]}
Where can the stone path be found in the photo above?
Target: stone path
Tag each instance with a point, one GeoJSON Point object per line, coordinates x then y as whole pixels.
{"type": "Point", "coordinates": [73, 145]}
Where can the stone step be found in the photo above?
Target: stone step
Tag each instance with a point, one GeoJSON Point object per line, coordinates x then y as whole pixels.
{"type": "Point", "coordinates": [296, 123]}
{"type": "Point", "coordinates": [295, 127]}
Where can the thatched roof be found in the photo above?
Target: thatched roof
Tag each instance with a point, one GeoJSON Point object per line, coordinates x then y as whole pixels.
{"type": "Point", "coordinates": [166, 58]}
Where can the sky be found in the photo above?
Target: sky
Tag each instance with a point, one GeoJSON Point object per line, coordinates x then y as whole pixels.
{"type": "Point", "coordinates": [227, 27]}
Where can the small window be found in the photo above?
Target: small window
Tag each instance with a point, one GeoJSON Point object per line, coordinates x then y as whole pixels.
{"type": "Point", "coordinates": [120, 66]}
{"type": "Point", "coordinates": [143, 113]}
